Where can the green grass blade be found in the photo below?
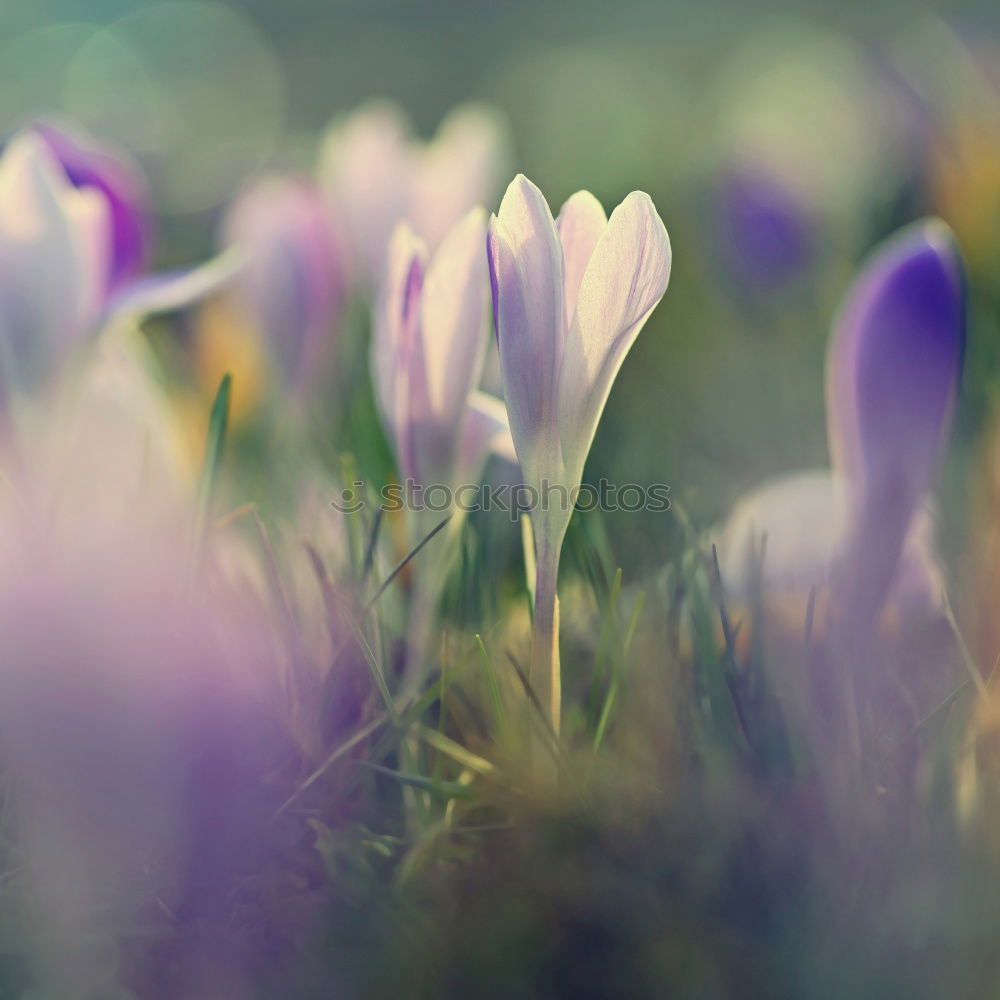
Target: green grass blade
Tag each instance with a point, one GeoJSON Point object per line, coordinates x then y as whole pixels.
{"type": "Point", "coordinates": [218, 422]}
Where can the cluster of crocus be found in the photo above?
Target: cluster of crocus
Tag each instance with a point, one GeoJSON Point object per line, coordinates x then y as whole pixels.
{"type": "Point", "coordinates": [144, 683]}
{"type": "Point", "coordinates": [568, 300]}
{"type": "Point", "coordinates": [313, 242]}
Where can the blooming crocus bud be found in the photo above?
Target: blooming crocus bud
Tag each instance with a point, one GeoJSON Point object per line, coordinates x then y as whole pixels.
{"type": "Point", "coordinates": [428, 351]}
{"type": "Point", "coordinates": [764, 230]}
{"type": "Point", "coordinates": [292, 283]}
{"type": "Point", "coordinates": [569, 298]}
{"type": "Point", "coordinates": [373, 174]}
{"type": "Point", "coordinates": [123, 187]}
{"type": "Point", "coordinates": [427, 360]}
{"type": "Point", "coordinates": [53, 262]}
{"type": "Point", "coordinates": [892, 373]}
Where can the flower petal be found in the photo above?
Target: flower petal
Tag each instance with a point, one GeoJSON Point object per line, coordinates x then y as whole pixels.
{"type": "Point", "coordinates": [485, 431]}
{"type": "Point", "coordinates": [453, 319]}
{"type": "Point", "coordinates": [526, 273]}
{"type": "Point", "coordinates": [800, 519]}
{"type": "Point", "coordinates": [364, 170]}
{"type": "Point", "coordinates": [625, 279]}
{"type": "Point", "coordinates": [120, 182]}
{"type": "Point", "coordinates": [396, 321]}
{"type": "Point", "coordinates": [461, 167]}
{"type": "Point", "coordinates": [892, 374]}
{"type": "Point", "coordinates": [581, 222]}
{"type": "Point", "coordinates": [53, 260]}
{"type": "Point", "coordinates": [293, 283]}
{"type": "Point", "coordinates": [169, 291]}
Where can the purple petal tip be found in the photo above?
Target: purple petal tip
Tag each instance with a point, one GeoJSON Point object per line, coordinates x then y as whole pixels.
{"type": "Point", "coordinates": [897, 353]}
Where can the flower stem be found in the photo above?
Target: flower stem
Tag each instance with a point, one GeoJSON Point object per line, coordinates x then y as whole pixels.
{"type": "Point", "coordinates": [545, 671]}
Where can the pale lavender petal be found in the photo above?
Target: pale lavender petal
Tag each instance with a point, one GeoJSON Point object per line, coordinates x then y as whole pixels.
{"type": "Point", "coordinates": [802, 517]}
{"type": "Point", "coordinates": [581, 222]}
{"type": "Point", "coordinates": [805, 519]}
{"type": "Point", "coordinates": [364, 173]}
{"type": "Point", "coordinates": [293, 282]}
{"type": "Point", "coordinates": [453, 318]}
{"type": "Point", "coordinates": [485, 431]}
{"type": "Point", "coordinates": [120, 182]}
{"type": "Point", "coordinates": [625, 279]}
{"type": "Point", "coordinates": [397, 315]}
{"type": "Point", "coordinates": [526, 272]}
{"type": "Point", "coordinates": [460, 168]}
{"type": "Point", "coordinates": [169, 291]}
{"type": "Point", "coordinates": [53, 261]}
{"type": "Point", "coordinates": [893, 371]}
{"type": "Point", "coordinates": [895, 358]}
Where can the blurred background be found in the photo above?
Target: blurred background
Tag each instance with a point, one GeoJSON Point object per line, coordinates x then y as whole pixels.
{"type": "Point", "coordinates": [779, 143]}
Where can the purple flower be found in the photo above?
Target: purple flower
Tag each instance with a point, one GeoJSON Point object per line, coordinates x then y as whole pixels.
{"type": "Point", "coordinates": [764, 230]}
{"type": "Point", "coordinates": [569, 298]}
{"type": "Point", "coordinates": [123, 188]}
{"type": "Point", "coordinates": [293, 282]}
{"type": "Point", "coordinates": [892, 373]}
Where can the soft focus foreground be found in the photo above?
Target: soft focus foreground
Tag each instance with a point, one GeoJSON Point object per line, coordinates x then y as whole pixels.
{"type": "Point", "coordinates": [421, 580]}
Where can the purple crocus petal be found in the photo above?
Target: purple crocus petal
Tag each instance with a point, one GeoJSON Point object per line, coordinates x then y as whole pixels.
{"type": "Point", "coordinates": [124, 188]}
{"type": "Point", "coordinates": [581, 222]}
{"type": "Point", "coordinates": [526, 268]}
{"type": "Point", "coordinates": [892, 375]}
{"type": "Point", "coordinates": [895, 358]}
{"type": "Point", "coordinates": [446, 356]}
{"type": "Point", "coordinates": [293, 282]}
{"type": "Point", "coordinates": [765, 234]}
{"type": "Point", "coordinates": [625, 279]}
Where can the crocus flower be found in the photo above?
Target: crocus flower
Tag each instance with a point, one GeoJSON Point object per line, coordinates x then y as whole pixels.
{"type": "Point", "coordinates": [122, 186]}
{"type": "Point", "coordinates": [292, 283]}
{"type": "Point", "coordinates": [55, 260]}
{"type": "Point", "coordinates": [764, 230]}
{"type": "Point", "coordinates": [427, 359]}
{"type": "Point", "coordinates": [137, 704]}
{"type": "Point", "coordinates": [569, 298]}
{"type": "Point", "coordinates": [893, 367]}
{"type": "Point", "coordinates": [374, 174]}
